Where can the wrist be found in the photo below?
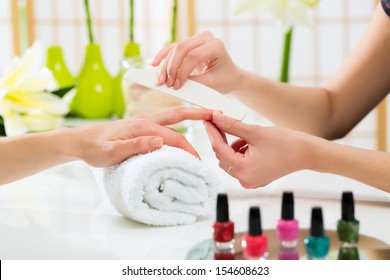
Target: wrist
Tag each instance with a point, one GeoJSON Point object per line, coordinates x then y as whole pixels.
{"type": "Point", "coordinates": [248, 82]}
{"type": "Point", "coordinates": [64, 144]}
{"type": "Point", "coordinates": [242, 81]}
{"type": "Point", "coordinates": [310, 152]}
{"type": "Point", "coordinates": [318, 154]}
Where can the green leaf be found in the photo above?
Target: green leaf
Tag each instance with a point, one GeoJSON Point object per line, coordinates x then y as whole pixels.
{"type": "Point", "coordinates": [2, 128]}
{"type": "Point", "coordinates": [62, 91]}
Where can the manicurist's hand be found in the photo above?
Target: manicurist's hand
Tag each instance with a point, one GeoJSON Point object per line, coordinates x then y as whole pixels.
{"type": "Point", "coordinates": [203, 53]}
{"type": "Point", "coordinates": [260, 154]}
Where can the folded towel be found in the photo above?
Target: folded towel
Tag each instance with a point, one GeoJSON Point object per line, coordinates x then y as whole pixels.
{"type": "Point", "coordinates": [163, 188]}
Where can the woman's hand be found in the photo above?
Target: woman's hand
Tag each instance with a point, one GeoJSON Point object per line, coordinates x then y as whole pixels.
{"type": "Point", "coordinates": [203, 53]}
{"type": "Point", "coordinates": [261, 154]}
{"type": "Point", "coordinates": [110, 143]}
{"type": "Point", "coordinates": [99, 145]}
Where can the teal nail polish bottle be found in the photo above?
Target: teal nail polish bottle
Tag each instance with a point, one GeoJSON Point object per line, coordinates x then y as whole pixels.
{"type": "Point", "coordinates": [348, 228]}
{"type": "Point", "coordinates": [317, 243]}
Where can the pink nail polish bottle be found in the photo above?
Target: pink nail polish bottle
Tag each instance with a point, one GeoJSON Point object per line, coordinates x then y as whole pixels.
{"type": "Point", "coordinates": [287, 228]}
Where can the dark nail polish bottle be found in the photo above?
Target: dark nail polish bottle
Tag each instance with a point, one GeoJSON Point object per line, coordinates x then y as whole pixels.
{"type": "Point", "coordinates": [223, 228]}
{"type": "Point", "coordinates": [348, 228]}
{"type": "Point", "coordinates": [317, 243]}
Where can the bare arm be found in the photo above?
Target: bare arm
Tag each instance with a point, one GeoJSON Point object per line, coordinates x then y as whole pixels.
{"type": "Point", "coordinates": [100, 145]}
{"type": "Point", "coordinates": [330, 112]}
{"type": "Point", "coordinates": [360, 84]}
{"type": "Point", "coordinates": [369, 167]}
{"type": "Point", "coordinates": [264, 154]}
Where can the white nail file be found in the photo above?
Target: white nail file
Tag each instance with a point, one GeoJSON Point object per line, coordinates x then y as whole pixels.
{"type": "Point", "coordinates": [191, 92]}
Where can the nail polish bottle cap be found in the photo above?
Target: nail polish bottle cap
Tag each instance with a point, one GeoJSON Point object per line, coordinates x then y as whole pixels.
{"type": "Point", "coordinates": [288, 206]}
{"type": "Point", "coordinates": [317, 224]}
{"type": "Point", "coordinates": [222, 208]}
{"type": "Point", "coordinates": [255, 221]}
{"type": "Point", "coordinates": [347, 207]}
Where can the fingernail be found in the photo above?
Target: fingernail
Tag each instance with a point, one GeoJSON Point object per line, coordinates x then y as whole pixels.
{"type": "Point", "coordinates": [217, 117]}
{"type": "Point", "coordinates": [170, 81]}
{"type": "Point", "coordinates": [156, 142]}
{"type": "Point", "coordinates": [177, 84]}
{"type": "Point", "coordinates": [160, 79]}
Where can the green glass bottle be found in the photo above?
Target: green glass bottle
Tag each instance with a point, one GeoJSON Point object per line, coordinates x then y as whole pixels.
{"type": "Point", "coordinates": [348, 229]}
{"type": "Point", "coordinates": [131, 51]}
{"type": "Point", "coordinates": [94, 96]}
{"type": "Point", "coordinates": [56, 64]}
{"type": "Point", "coordinates": [345, 253]}
{"type": "Point", "coordinates": [348, 226]}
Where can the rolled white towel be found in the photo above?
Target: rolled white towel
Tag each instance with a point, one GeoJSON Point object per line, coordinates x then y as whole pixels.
{"type": "Point", "coordinates": [166, 187]}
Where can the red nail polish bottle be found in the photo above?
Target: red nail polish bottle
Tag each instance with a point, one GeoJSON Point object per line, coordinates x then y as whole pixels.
{"type": "Point", "coordinates": [254, 243]}
{"type": "Point", "coordinates": [224, 257]}
{"type": "Point", "coordinates": [223, 228]}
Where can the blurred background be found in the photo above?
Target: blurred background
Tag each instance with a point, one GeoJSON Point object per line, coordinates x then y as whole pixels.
{"type": "Point", "coordinates": [254, 41]}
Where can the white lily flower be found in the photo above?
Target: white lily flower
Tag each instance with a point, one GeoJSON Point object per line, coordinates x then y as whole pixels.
{"type": "Point", "coordinates": [288, 12]}
{"type": "Point", "coordinates": [26, 104]}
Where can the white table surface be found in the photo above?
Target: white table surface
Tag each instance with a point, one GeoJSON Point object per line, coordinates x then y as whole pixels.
{"type": "Point", "coordinates": [62, 214]}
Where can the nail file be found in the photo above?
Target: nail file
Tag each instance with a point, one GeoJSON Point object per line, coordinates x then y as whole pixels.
{"type": "Point", "coordinates": [191, 92]}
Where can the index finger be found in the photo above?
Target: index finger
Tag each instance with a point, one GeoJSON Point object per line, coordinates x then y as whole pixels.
{"type": "Point", "coordinates": [161, 55]}
{"type": "Point", "coordinates": [224, 152]}
{"type": "Point", "coordinates": [171, 137]}
{"type": "Point", "coordinates": [180, 114]}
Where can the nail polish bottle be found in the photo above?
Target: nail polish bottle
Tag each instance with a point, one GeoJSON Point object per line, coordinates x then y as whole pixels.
{"type": "Point", "coordinates": [348, 226]}
{"type": "Point", "coordinates": [287, 227]}
{"type": "Point", "coordinates": [288, 253]}
{"type": "Point", "coordinates": [348, 229]}
{"type": "Point", "coordinates": [223, 256]}
{"type": "Point", "coordinates": [254, 243]}
{"type": "Point", "coordinates": [346, 253]}
{"type": "Point", "coordinates": [317, 243]}
{"type": "Point", "coordinates": [223, 228]}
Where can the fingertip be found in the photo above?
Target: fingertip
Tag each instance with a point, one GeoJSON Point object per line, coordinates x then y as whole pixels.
{"type": "Point", "coordinates": [218, 117]}
{"type": "Point", "coordinates": [170, 81]}
{"type": "Point", "coordinates": [156, 60]}
{"type": "Point", "coordinates": [197, 155]}
{"type": "Point", "coordinates": [156, 142]}
{"type": "Point", "coordinates": [177, 84]}
{"type": "Point", "coordinates": [160, 79]}
{"type": "Point", "coordinates": [194, 152]}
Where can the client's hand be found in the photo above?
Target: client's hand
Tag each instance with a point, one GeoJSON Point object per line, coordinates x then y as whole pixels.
{"type": "Point", "coordinates": [110, 143]}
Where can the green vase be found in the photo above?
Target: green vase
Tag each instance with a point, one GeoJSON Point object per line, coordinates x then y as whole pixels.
{"type": "Point", "coordinates": [119, 97]}
{"type": "Point", "coordinates": [56, 64]}
{"type": "Point", "coordinates": [94, 96]}
{"type": "Point", "coordinates": [130, 51]}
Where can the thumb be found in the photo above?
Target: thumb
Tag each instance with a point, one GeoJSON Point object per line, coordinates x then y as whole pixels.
{"type": "Point", "coordinates": [139, 145]}
{"type": "Point", "coordinates": [231, 126]}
